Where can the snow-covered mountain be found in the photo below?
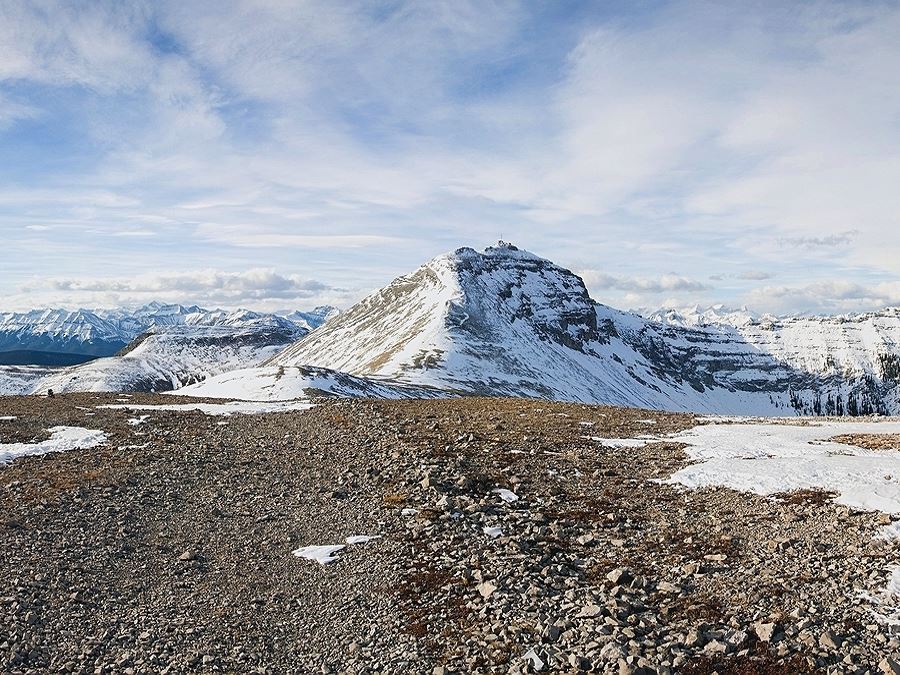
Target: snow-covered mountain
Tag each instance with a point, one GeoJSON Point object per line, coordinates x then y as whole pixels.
{"type": "Point", "coordinates": [506, 322]}
{"type": "Point", "coordinates": [62, 331]}
{"type": "Point", "coordinates": [41, 335]}
{"type": "Point", "coordinates": [313, 318]}
{"type": "Point", "coordinates": [175, 356]}
{"type": "Point", "coordinates": [696, 316]}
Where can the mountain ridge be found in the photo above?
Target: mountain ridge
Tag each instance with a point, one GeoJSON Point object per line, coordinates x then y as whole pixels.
{"type": "Point", "coordinates": [105, 332]}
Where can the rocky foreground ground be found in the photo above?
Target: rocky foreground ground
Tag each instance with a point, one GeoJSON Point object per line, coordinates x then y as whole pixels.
{"type": "Point", "coordinates": [169, 549]}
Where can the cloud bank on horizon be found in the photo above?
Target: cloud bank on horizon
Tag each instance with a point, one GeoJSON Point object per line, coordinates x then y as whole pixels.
{"type": "Point", "coordinates": [268, 153]}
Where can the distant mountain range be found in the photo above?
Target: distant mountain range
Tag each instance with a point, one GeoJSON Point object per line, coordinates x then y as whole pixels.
{"type": "Point", "coordinates": [62, 337]}
{"type": "Point", "coordinates": [503, 322]}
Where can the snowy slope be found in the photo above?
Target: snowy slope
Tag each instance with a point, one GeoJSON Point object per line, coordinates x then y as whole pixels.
{"type": "Point", "coordinates": [19, 380]}
{"type": "Point", "coordinates": [280, 383]}
{"type": "Point", "coordinates": [176, 356]}
{"type": "Point", "coordinates": [314, 318]}
{"type": "Point", "coordinates": [815, 365]}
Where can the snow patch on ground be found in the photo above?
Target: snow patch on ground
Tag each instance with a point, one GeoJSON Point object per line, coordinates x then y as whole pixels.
{"type": "Point", "coordinates": [323, 555]}
{"type": "Point", "coordinates": [886, 602]}
{"type": "Point", "coordinates": [361, 538]}
{"type": "Point", "coordinates": [506, 495]}
{"type": "Point", "coordinates": [61, 439]}
{"type": "Point", "coordinates": [327, 554]}
{"type": "Point", "coordinates": [493, 532]}
{"type": "Point", "coordinates": [232, 407]}
{"type": "Point", "coordinates": [770, 458]}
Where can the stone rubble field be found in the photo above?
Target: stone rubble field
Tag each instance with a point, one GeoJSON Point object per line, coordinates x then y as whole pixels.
{"type": "Point", "coordinates": [506, 538]}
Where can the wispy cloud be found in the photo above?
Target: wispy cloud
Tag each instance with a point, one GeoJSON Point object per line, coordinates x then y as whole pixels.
{"type": "Point", "coordinates": [755, 275]}
{"type": "Point", "coordinates": [827, 297]}
{"type": "Point", "coordinates": [666, 283]}
{"type": "Point", "coordinates": [265, 288]}
{"type": "Point", "coordinates": [829, 241]}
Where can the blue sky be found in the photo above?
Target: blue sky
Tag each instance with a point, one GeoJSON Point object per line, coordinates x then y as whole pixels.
{"type": "Point", "coordinates": [277, 154]}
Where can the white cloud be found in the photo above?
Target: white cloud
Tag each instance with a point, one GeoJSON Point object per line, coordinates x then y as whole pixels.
{"type": "Point", "coordinates": [825, 297]}
{"type": "Point", "coordinates": [98, 45]}
{"type": "Point", "coordinates": [827, 241]}
{"type": "Point", "coordinates": [250, 237]}
{"type": "Point", "coordinates": [262, 288]}
{"type": "Point", "coordinates": [755, 275]}
{"type": "Point", "coordinates": [666, 283]}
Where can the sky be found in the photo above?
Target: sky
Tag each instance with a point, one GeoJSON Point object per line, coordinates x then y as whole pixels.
{"type": "Point", "coordinates": [280, 154]}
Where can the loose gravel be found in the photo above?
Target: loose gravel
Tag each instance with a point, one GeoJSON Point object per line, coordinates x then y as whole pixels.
{"type": "Point", "coordinates": [509, 541]}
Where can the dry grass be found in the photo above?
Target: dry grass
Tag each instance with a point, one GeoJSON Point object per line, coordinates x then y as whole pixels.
{"type": "Point", "coordinates": [870, 441]}
{"type": "Point", "coordinates": [745, 665]}
{"type": "Point", "coordinates": [806, 497]}
{"type": "Point", "coordinates": [394, 499]}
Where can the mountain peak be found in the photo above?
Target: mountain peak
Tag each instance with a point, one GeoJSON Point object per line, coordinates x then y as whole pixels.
{"type": "Point", "coordinates": [502, 250]}
{"type": "Point", "coordinates": [456, 313]}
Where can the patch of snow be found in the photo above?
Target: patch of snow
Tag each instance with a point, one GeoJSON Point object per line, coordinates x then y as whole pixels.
{"type": "Point", "coordinates": [535, 661]}
{"type": "Point", "coordinates": [281, 383]}
{"type": "Point", "coordinates": [61, 439]}
{"type": "Point", "coordinates": [137, 421]}
{"type": "Point", "coordinates": [890, 532]}
{"type": "Point", "coordinates": [7, 418]}
{"type": "Point", "coordinates": [493, 532]}
{"type": "Point", "coordinates": [506, 495]}
{"type": "Point", "coordinates": [409, 512]}
{"type": "Point", "coordinates": [885, 602]}
{"type": "Point", "coordinates": [770, 458]}
{"type": "Point", "coordinates": [327, 554]}
{"type": "Point", "coordinates": [361, 538]}
{"type": "Point", "coordinates": [323, 555]}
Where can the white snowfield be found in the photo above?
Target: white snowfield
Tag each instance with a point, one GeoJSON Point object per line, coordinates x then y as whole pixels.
{"type": "Point", "coordinates": [770, 458]}
{"type": "Point", "coordinates": [20, 380]}
{"type": "Point", "coordinates": [61, 439]}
